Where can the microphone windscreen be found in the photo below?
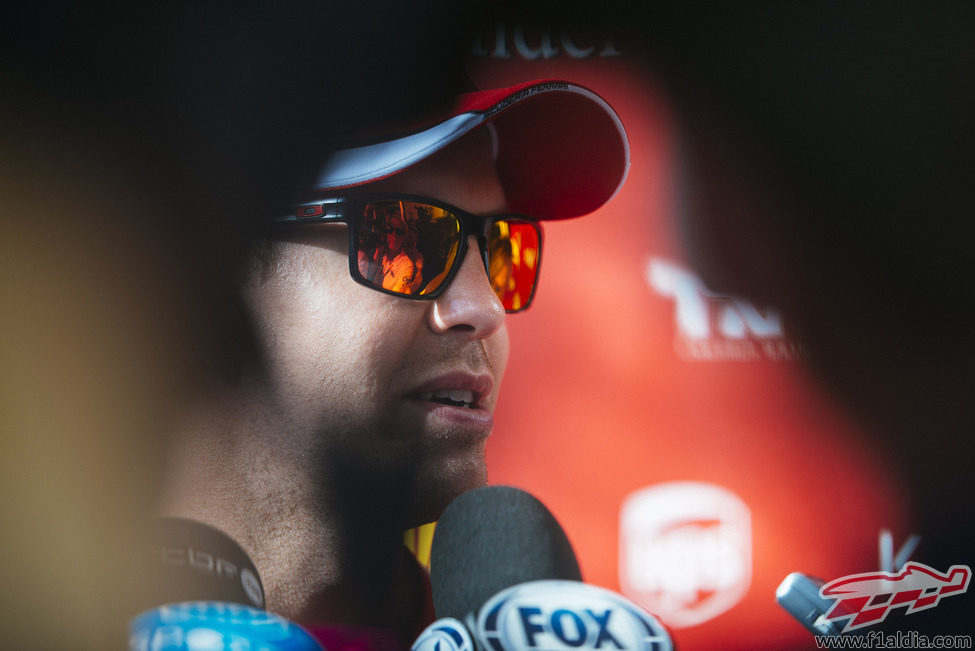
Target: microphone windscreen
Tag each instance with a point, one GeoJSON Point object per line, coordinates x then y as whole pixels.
{"type": "Point", "coordinates": [188, 560]}
{"type": "Point", "coordinates": [492, 538]}
{"type": "Point", "coordinates": [216, 626]}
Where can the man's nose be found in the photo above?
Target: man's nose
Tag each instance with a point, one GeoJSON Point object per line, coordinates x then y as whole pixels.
{"type": "Point", "coordinates": [469, 303]}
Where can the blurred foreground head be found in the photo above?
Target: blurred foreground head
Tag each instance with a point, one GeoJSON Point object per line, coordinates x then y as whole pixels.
{"type": "Point", "coordinates": [140, 148]}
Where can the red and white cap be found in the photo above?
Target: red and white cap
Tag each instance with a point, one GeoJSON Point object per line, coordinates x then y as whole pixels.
{"type": "Point", "coordinates": [561, 150]}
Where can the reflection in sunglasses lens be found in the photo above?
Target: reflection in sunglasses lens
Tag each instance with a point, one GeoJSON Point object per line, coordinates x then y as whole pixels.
{"type": "Point", "coordinates": [418, 258]}
{"type": "Point", "coordinates": [440, 240]}
{"type": "Point", "coordinates": [513, 252]}
{"type": "Point", "coordinates": [427, 240]}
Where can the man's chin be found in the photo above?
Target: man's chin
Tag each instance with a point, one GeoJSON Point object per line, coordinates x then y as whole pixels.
{"type": "Point", "coordinates": [438, 488]}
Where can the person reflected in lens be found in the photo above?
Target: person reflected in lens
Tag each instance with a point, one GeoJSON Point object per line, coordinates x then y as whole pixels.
{"type": "Point", "coordinates": [386, 244]}
{"type": "Point", "coordinates": [401, 265]}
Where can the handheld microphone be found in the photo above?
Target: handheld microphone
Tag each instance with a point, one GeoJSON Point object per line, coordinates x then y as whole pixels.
{"type": "Point", "coordinates": [801, 595]}
{"type": "Point", "coordinates": [445, 634]}
{"type": "Point", "coordinates": [203, 593]}
{"type": "Point", "coordinates": [215, 626]}
{"type": "Point", "coordinates": [503, 566]}
{"type": "Point", "coordinates": [187, 560]}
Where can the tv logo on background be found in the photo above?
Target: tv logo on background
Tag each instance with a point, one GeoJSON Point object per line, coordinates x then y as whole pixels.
{"type": "Point", "coordinates": [685, 551]}
{"type": "Point", "coordinates": [713, 327]}
{"type": "Point", "coordinates": [868, 598]}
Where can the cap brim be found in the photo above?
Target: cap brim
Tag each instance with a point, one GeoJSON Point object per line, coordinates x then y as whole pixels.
{"type": "Point", "coordinates": [562, 150]}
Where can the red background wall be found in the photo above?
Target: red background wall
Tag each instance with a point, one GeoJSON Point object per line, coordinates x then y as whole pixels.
{"type": "Point", "coordinates": [607, 392]}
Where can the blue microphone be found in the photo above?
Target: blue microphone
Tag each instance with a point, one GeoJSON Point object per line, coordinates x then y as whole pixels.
{"type": "Point", "coordinates": [215, 626]}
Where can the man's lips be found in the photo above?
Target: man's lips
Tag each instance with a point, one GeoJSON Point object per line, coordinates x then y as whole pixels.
{"type": "Point", "coordinates": [459, 389]}
{"type": "Point", "coordinates": [452, 397]}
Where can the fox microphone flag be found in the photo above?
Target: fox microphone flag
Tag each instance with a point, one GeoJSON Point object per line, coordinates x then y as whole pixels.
{"type": "Point", "coordinates": [501, 564]}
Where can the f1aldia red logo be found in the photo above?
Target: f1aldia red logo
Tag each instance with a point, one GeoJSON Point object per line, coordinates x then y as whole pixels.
{"type": "Point", "coordinates": [867, 599]}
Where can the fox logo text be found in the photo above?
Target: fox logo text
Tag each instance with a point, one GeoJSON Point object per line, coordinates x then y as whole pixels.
{"type": "Point", "coordinates": [567, 615]}
{"type": "Point", "coordinates": [867, 599]}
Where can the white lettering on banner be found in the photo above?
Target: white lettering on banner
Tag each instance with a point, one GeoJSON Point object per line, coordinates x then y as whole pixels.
{"type": "Point", "coordinates": [539, 44]}
{"type": "Point", "coordinates": [711, 326]}
{"type": "Point", "coordinates": [685, 551]}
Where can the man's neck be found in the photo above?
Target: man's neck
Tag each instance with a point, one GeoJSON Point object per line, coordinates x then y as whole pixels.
{"type": "Point", "coordinates": [350, 568]}
{"type": "Point", "coordinates": [336, 559]}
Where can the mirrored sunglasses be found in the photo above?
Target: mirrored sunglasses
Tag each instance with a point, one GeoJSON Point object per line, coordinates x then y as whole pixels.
{"type": "Point", "coordinates": [413, 246]}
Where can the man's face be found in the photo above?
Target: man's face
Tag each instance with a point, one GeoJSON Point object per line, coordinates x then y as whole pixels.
{"type": "Point", "coordinates": [375, 388]}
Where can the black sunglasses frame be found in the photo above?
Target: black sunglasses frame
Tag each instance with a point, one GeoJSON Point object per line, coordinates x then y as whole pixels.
{"type": "Point", "coordinates": [347, 209]}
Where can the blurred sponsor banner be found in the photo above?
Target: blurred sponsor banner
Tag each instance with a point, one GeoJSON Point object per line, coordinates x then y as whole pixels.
{"type": "Point", "coordinates": [671, 429]}
{"type": "Point", "coordinates": [685, 550]}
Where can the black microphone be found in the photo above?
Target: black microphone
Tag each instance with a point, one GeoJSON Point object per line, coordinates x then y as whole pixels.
{"type": "Point", "coordinates": [503, 566]}
{"type": "Point", "coordinates": [187, 560]}
{"type": "Point", "coordinates": [490, 539]}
